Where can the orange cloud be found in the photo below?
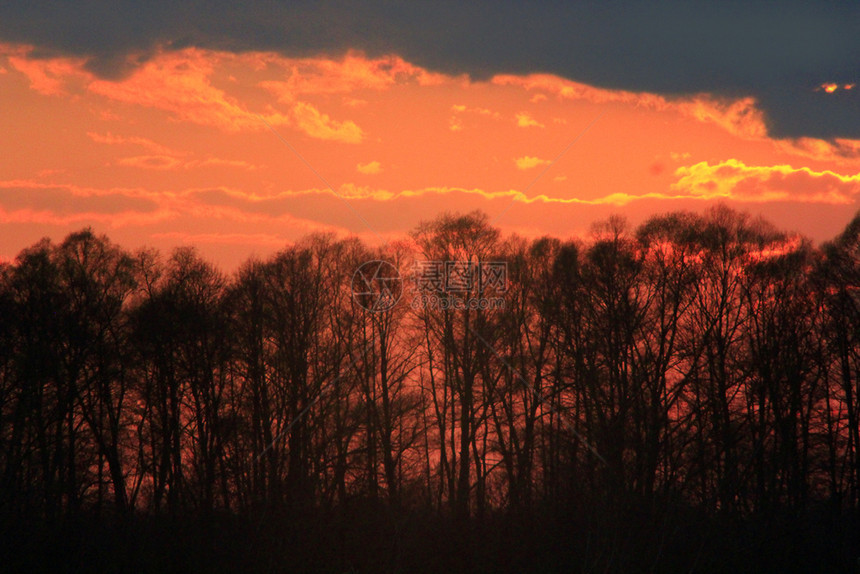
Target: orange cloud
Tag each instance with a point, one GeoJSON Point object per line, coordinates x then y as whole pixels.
{"type": "Point", "coordinates": [119, 207]}
{"type": "Point", "coordinates": [351, 73]}
{"type": "Point", "coordinates": [617, 199]}
{"type": "Point", "coordinates": [218, 162]}
{"type": "Point", "coordinates": [115, 220]}
{"type": "Point", "coordinates": [111, 139]}
{"type": "Point", "coordinates": [732, 179]}
{"type": "Point", "coordinates": [277, 203]}
{"type": "Point", "coordinates": [353, 191]}
{"type": "Point", "coordinates": [740, 117]}
{"type": "Point", "coordinates": [460, 108]}
{"type": "Point", "coordinates": [455, 123]}
{"type": "Point", "coordinates": [74, 190]}
{"type": "Point", "coordinates": [529, 162]}
{"type": "Point", "coordinates": [263, 239]}
{"type": "Point", "coordinates": [370, 168]}
{"type": "Point", "coordinates": [319, 125]}
{"type": "Point", "coordinates": [524, 120]}
{"type": "Point", "coordinates": [163, 157]}
{"type": "Point", "coordinates": [180, 83]}
{"type": "Point", "coordinates": [150, 162]}
{"type": "Point", "coordinates": [166, 162]}
{"type": "Point", "coordinates": [48, 76]}
{"type": "Point", "coordinates": [25, 201]}
{"type": "Point", "coordinates": [838, 149]}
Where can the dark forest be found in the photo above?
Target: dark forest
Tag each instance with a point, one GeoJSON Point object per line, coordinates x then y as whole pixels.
{"type": "Point", "coordinates": [677, 397]}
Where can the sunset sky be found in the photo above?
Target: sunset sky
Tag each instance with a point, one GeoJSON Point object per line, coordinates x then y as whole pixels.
{"type": "Point", "coordinates": [239, 130]}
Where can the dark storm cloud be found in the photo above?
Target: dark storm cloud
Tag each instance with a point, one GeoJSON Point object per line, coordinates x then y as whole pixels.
{"type": "Point", "coordinates": [778, 52]}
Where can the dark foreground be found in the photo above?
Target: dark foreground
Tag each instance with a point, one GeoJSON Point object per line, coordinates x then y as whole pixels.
{"type": "Point", "coordinates": [378, 540]}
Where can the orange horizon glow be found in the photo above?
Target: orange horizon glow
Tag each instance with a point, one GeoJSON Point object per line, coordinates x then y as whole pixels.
{"type": "Point", "coordinates": [243, 153]}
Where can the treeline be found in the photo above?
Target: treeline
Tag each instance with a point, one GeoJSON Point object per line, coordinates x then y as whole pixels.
{"type": "Point", "coordinates": [646, 394]}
